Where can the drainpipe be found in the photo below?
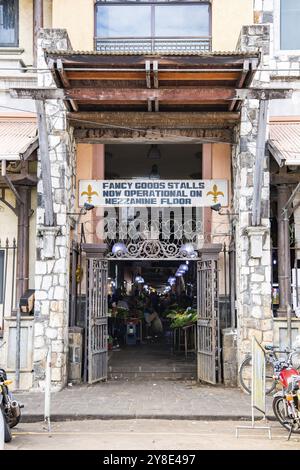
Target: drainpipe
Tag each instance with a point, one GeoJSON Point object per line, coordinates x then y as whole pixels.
{"type": "Point", "coordinates": [38, 23]}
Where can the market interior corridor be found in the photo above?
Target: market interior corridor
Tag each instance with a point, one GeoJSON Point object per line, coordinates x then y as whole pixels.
{"type": "Point", "coordinates": [152, 328]}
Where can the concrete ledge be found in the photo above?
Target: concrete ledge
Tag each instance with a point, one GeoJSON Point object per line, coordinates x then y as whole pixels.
{"type": "Point", "coordinates": [31, 418]}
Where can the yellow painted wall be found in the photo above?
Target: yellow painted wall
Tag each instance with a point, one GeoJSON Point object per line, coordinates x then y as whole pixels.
{"type": "Point", "coordinates": [47, 13]}
{"type": "Point", "coordinates": [26, 30]}
{"type": "Point", "coordinates": [77, 16]}
{"type": "Point", "coordinates": [221, 169]}
{"type": "Point", "coordinates": [26, 27]}
{"type": "Point", "coordinates": [84, 161]}
{"type": "Point", "coordinates": [8, 229]}
{"type": "Point", "coordinates": [228, 17]}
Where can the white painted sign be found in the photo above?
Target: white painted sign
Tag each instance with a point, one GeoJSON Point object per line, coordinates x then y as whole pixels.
{"type": "Point", "coordinates": [149, 193]}
{"type": "Point", "coordinates": [258, 376]}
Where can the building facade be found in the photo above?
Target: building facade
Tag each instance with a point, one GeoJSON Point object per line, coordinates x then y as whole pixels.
{"type": "Point", "coordinates": [207, 82]}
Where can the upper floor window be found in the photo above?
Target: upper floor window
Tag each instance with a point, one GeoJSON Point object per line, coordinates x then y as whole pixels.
{"type": "Point", "coordinates": [152, 20]}
{"type": "Point", "coordinates": [8, 23]}
{"type": "Point", "coordinates": [289, 25]}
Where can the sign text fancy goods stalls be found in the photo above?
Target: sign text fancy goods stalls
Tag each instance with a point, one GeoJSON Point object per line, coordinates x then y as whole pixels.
{"type": "Point", "coordinates": [149, 193]}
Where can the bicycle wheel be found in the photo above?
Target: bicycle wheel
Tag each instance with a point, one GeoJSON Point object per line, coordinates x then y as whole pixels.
{"type": "Point", "coordinates": [245, 375]}
{"type": "Point", "coordinates": [280, 413]}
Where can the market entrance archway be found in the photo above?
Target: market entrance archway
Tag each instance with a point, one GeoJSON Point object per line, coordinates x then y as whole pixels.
{"type": "Point", "coordinates": [208, 327]}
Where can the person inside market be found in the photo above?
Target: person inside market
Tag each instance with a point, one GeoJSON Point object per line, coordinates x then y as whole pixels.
{"type": "Point", "coordinates": [154, 325]}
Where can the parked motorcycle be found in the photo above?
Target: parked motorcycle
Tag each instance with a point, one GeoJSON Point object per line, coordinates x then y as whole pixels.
{"type": "Point", "coordinates": [286, 402]}
{"type": "Point", "coordinates": [10, 408]}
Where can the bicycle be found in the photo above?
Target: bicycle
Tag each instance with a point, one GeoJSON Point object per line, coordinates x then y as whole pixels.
{"type": "Point", "coordinates": [245, 370]}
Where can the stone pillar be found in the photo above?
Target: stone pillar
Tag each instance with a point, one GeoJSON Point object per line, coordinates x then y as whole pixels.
{"type": "Point", "coordinates": [284, 262]}
{"type": "Point", "coordinates": [53, 243]}
{"type": "Point", "coordinates": [253, 246]}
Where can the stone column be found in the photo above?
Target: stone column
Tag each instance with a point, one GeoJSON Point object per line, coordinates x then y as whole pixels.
{"type": "Point", "coordinates": [53, 243]}
{"type": "Point", "coordinates": [253, 247]}
{"type": "Point", "coordinates": [284, 262]}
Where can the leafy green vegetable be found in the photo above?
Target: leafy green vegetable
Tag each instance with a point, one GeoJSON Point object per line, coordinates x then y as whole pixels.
{"type": "Point", "coordinates": [182, 317]}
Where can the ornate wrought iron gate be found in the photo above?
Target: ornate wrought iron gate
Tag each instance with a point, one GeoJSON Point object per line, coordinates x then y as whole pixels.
{"type": "Point", "coordinates": [96, 318]}
{"type": "Point", "coordinates": [208, 331]}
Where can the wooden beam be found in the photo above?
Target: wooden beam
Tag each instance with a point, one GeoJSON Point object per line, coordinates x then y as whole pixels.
{"type": "Point", "coordinates": [148, 73]}
{"type": "Point", "coordinates": [155, 74]}
{"type": "Point", "coordinates": [259, 162]}
{"type": "Point", "coordinates": [118, 60]}
{"type": "Point", "coordinates": [241, 81]}
{"type": "Point", "coordinates": [45, 163]}
{"type": "Point", "coordinates": [62, 74]}
{"type": "Point", "coordinates": [165, 120]}
{"type": "Point", "coordinates": [20, 179]}
{"type": "Point", "coordinates": [287, 178]}
{"type": "Point", "coordinates": [111, 135]}
{"type": "Point", "coordinates": [186, 94]}
{"type": "Point", "coordinates": [162, 75]}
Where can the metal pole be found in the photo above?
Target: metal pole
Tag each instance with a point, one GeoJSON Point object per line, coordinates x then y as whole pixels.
{"type": "Point", "coordinates": [18, 349]}
{"type": "Point", "coordinates": [48, 388]}
{"type": "Point", "coordinates": [283, 193]}
{"type": "Point", "coordinates": [38, 23]}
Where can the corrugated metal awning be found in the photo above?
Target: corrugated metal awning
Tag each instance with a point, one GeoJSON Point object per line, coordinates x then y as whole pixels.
{"type": "Point", "coordinates": [18, 137]}
{"type": "Point", "coordinates": [284, 142]}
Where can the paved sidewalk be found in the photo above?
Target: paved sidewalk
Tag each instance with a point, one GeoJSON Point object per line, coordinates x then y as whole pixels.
{"type": "Point", "coordinates": [119, 399]}
{"type": "Point", "coordinates": [150, 435]}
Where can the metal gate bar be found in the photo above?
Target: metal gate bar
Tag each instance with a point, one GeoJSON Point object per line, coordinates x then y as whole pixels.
{"type": "Point", "coordinates": [208, 347]}
{"type": "Point", "coordinates": [96, 314]}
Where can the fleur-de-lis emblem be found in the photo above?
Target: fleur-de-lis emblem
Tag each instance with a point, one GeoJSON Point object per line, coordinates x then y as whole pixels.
{"type": "Point", "coordinates": [215, 193]}
{"type": "Point", "coordinates": [89, 193]}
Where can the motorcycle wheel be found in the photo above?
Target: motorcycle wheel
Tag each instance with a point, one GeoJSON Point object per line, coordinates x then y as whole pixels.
{"type": "Point", "coordinates": [279, 412]}
{"type": "Point", "coordinates": [245, 375]}
{"type": "Point", "coordinates": [7, 431]}
{"type": "Point", "coordinates": [15, 421]}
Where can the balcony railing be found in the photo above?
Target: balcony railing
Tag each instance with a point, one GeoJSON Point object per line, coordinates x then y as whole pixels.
{"type": "Point", "coordinates": [153, 45]}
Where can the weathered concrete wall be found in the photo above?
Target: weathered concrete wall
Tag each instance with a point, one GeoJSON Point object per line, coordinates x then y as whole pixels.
{"type": "Point", "coordinates": [52, 270]}
{"type": "Point", "coordinates": [254, 315]}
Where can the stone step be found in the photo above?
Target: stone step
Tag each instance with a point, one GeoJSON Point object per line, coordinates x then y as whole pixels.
{"type": "Point", "coordinates": [144, 370]}
{"type": "Point", "coordinates": [158, 375]}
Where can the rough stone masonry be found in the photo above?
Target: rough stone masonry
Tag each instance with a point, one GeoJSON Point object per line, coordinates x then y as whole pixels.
{"type": "Point", "coordinates": [53, 243]}
{"type": "Point", "coordinates": [253, 259]}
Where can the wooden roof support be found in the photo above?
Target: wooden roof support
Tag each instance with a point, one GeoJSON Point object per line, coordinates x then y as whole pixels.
{"type": "Point", "coordinates": [259, 161]}
{"type": "Point", "coordinates": [159, 119]}
{"type": "Point", "coordinates": [241, 82]}
{"type": "Point", "coordinates": [123, 135]}
{"type": "Point", "coordinates": [155, 74]}
{"type": "Point", "coordinates": [175, 95]}
{"type": "Point", "coordinates": [45, 163]}
{"type": "Point", "coordinates": [65, 82]}
{"type": "Point", "coordinates": [148, 73]}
